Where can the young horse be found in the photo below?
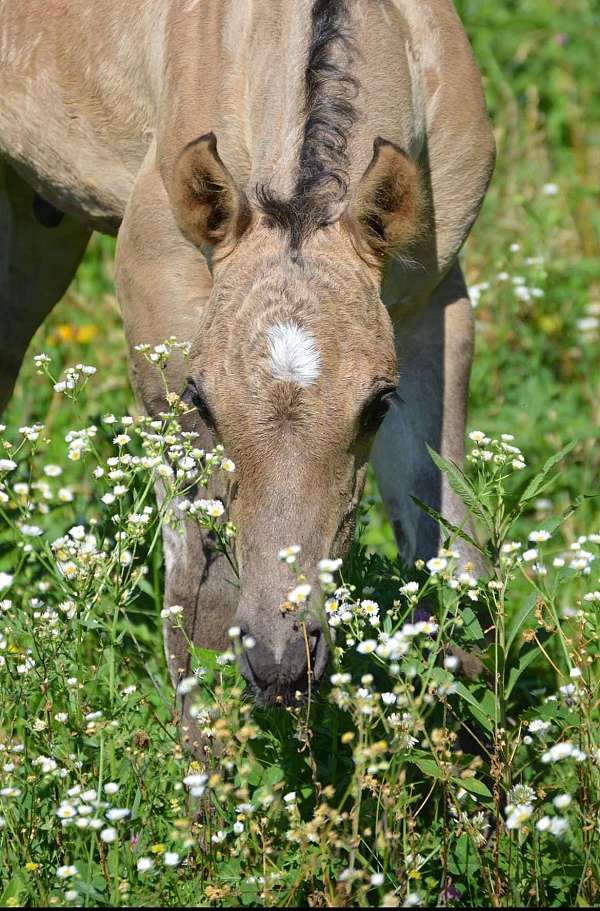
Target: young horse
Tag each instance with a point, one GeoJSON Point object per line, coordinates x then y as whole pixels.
{"type": "Point", "coordinates": [291, 184]}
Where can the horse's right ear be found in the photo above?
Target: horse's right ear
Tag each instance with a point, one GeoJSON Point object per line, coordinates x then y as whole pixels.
{"type": "Point", "coordinates": [387, 213]}
{"type": "Point", "coordinates": [209, 207]}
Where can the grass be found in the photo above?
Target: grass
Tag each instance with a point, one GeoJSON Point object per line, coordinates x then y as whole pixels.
{"type": "Point", "coordinates": [391, 802]}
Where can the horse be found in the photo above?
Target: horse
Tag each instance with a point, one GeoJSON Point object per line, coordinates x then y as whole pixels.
{"type": "Point", "coordinates": [290, 185]}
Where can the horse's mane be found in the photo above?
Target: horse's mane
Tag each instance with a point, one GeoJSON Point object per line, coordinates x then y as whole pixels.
{"type": "Point", "coordinates": [330, 90]}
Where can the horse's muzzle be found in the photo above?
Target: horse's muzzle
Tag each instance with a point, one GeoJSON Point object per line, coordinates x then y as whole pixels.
{"type": "Point", "coordinates": [284, 678]}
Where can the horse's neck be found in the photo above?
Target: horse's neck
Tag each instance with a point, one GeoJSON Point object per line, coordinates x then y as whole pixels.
{"type": "Point", "coordinates": [237, 69]}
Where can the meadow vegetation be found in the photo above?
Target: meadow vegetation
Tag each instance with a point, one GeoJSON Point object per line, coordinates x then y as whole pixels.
{"type": "Point", "coordinates": [404, 780]}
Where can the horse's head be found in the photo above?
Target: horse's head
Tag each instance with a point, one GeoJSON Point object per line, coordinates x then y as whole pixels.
{"type": "Point", "coordinates": [293, 369]}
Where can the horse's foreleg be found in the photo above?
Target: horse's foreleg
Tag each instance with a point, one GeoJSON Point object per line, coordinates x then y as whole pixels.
{"type": "Point", "coordinates": [38, 259]}
{"type": "Point", "coordinates": [436, 351]}
{"type": "Point", "coordinates": [435, 354]}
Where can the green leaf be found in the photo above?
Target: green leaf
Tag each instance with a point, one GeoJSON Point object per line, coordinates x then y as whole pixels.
{"type": "Point", "coordinates": [254, 776]}
{"type": "Point", "coordinates": [487, 701]}
{"type": "Point", "coordinates": [464, 859]}
{"type": "Point", "coordinates": [453, 530]}
{"type": "Point", "coordinates": [517, 670]}
{"type": "Point", "coordinates": [207, 657]}
{"type": "Point", "coordinates": [471, 629]}
{"type": "Point", "coordinates": [570, 510]}
{"type": "Point", "coordinates": [519, 620]}
{"type": "Point", "coordinates": [429, 767]}
{"type": "Point", "coordinates": [462, 487]}
{"type": "Point", "coordinates": [536, 483]}
{"type": "Point", "coordinates": [144, 586]}
{"type": "Point", "coordinates": [440, 675]}
{"type": "Point", "coordinates": [474, 786]}
{"type": "Point", "coordinates": [89, 890]}
{"type": "Point", "coordinates": [478, 709]}
{"type": "Point", "coordinates": [13, 891]}
{"type": "Point", "coordinates": [136, 803]}
{"type": "Point", "coordinates": [273, 775]}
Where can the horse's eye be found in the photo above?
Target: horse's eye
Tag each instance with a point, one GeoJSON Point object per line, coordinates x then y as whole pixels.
{"type": "Point", "coordinates": [193, 395]}
{"type": "Point", "coordinates": [376, 409]}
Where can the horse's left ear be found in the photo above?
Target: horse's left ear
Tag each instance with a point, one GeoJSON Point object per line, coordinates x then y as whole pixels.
{"type": "Point", "coordinates": [209, 207]}
{"type": "Point", "coordinates": [387, 212]}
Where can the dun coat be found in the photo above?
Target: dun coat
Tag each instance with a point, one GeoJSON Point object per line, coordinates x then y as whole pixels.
{"type": "Point", "coordinates": [291, 183]}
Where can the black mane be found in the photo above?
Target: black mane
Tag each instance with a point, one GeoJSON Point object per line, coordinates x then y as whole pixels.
{"type": "Point", "coordinates": [330, 90]}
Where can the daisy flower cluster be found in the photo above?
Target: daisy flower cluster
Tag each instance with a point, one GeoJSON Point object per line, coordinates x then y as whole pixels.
{"type": "Point", "coordinates": [456, 724]}
{"type": "Point", "coordinates": [500, 453]}
{"type": "Point", "coordinates": [539, 552]}
{"type": "Point", "coordinates": [158, 355]}
{"type": "Point", "coordinates": [73, 381]}
{"type": "Point", "coordinates": [524, 288]}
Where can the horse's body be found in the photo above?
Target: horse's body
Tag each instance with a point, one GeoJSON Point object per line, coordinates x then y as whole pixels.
{"type": "Point", "coordinates": [98, 102]}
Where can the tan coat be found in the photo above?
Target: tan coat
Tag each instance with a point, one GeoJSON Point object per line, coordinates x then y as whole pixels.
{"type": "Point", "coordinates": [98, 102]}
